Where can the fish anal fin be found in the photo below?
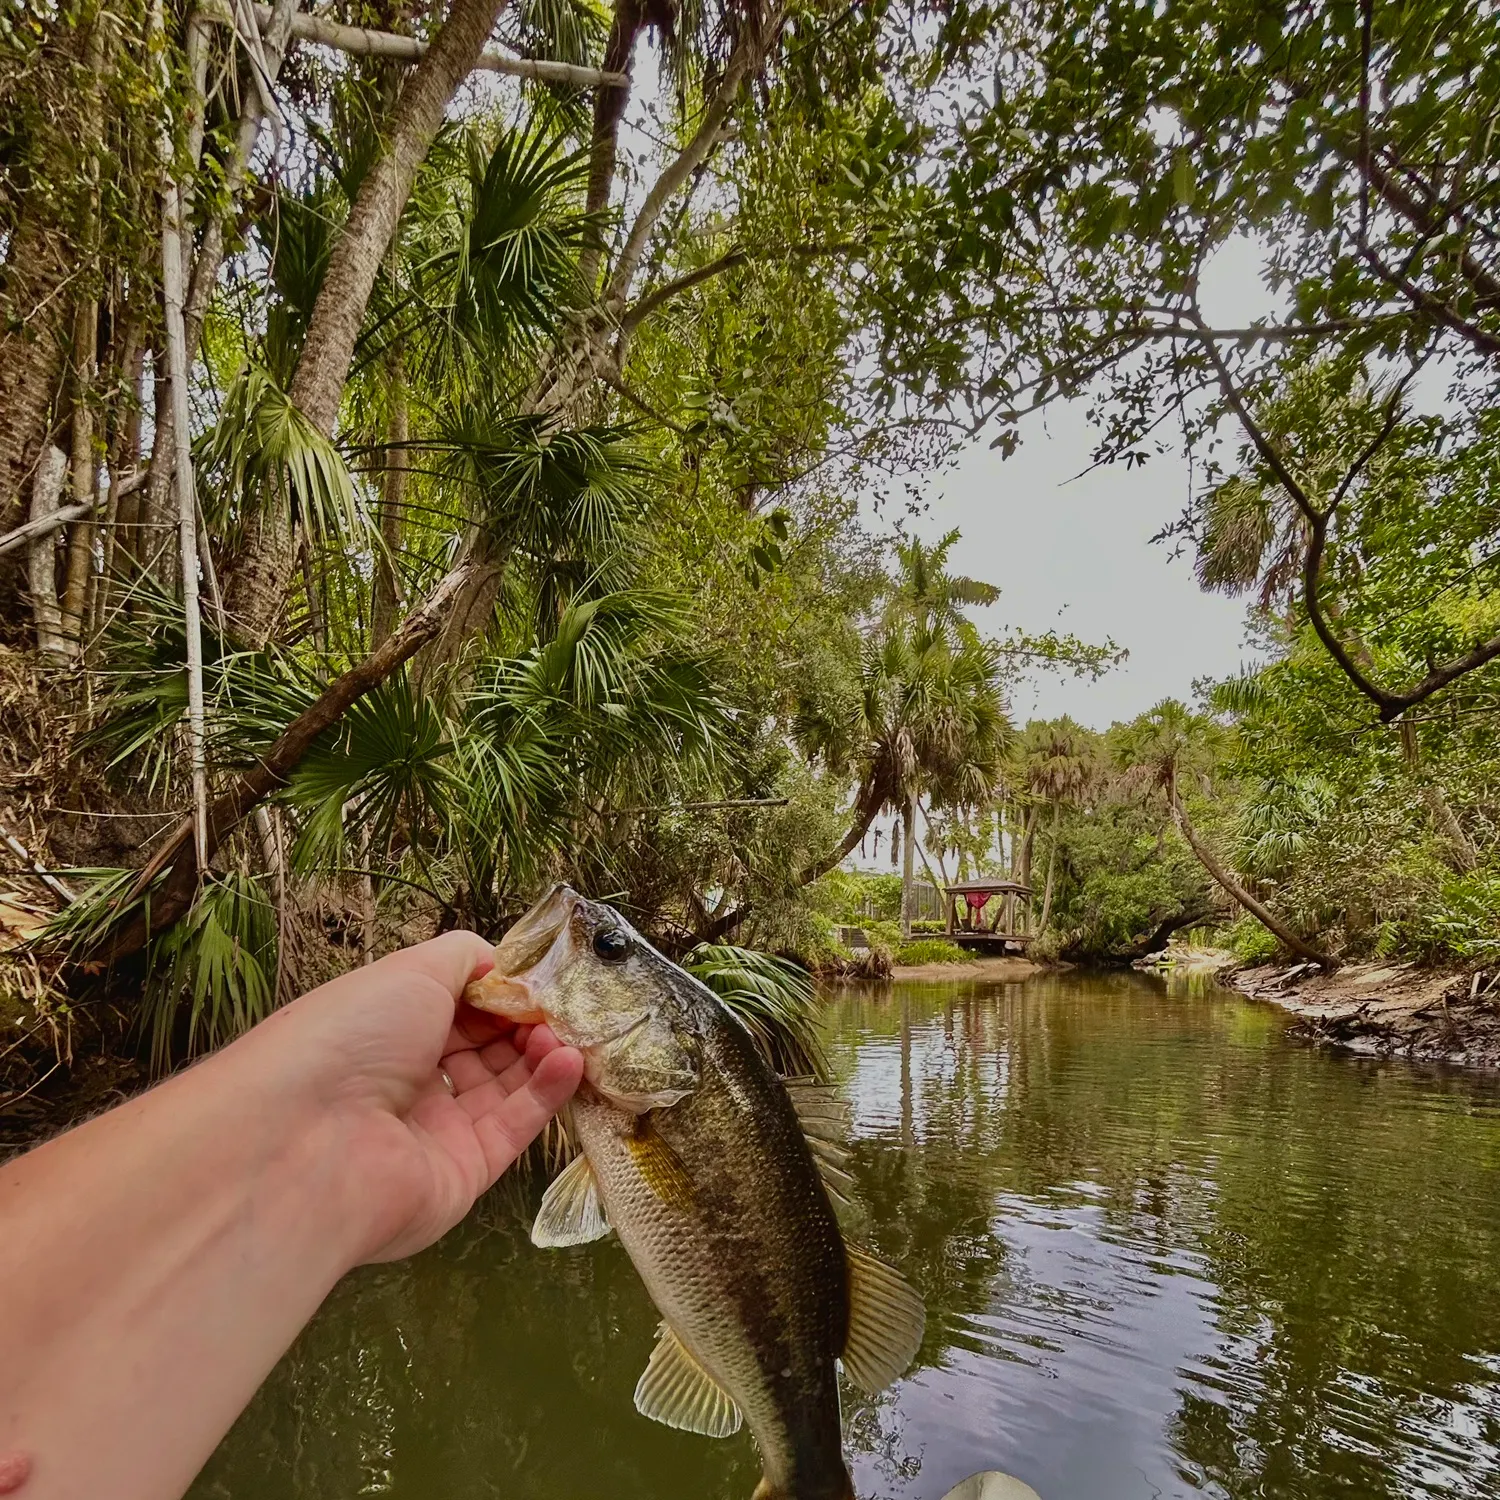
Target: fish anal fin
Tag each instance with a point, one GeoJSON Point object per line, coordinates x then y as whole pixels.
{"type": "Point", "coordinates": [676, 1390]}
{"type": "Point", "coordinates": [571, 1211]}
{"type": "Point", "coordinates": [886, 1319]}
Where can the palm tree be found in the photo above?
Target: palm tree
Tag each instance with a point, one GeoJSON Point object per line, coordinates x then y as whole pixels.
{"type": "Point", "coordinates": [930, 721]}
{"type": "Point", "coordinates": [1157, 751]}
{"type": "Point", "coordinates": [928, 601]}
{"type": "Point", "coordinates": [1057, 766]}
{"type": "Point", "coordinates": [927, 594]}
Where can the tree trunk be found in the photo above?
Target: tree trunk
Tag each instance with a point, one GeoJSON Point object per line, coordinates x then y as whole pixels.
{"type": "Point", "coordinates": [205, 271]}
{"type": "Point", "coordinates": [1462, 855]}
{"type": "Point", "coordinates": [871, 797]}
{"type": "Point", "coordinates": [908, 838]}
{"type": "Point", "coordinates": [609, 108]}
{"type": "Point", "coordinates": [172, 874]}
{"type": "Point", "coordinates": [867, 803]}
{"type": "Point", "coordinates": [1263, 915]}
{"type": "Point", "coordinates": [85, 471]}
{"type": "Point", "coordinates": [33, 334]}
{"type": "Point", "coordinates": [386, 594]}
{"type": "Point", "coordinates": [258, 592]}
{"type": "Point", "coordinates": [1157, 938]}
{"type": "Point", "coordinates": [46, 493]}
{"type": "Point", "coordinates": [124, 453]}
{"type": "Point", "coordinates": [1028, 843]}
{"type": "Point", "coordinates": [1051, 867]}
{"type": "Point", "coordinates": [187, 498]}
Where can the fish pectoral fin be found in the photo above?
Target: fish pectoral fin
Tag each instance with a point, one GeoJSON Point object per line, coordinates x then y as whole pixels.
{"type": "Point", "coordinates": [660, 1166]}
{"type": "Point", "coordinates": [676, 1390]}
{"type": "Point", "coordinates": [571, 1211]}
{"type": "Point", "coordinates": [886, 1319]}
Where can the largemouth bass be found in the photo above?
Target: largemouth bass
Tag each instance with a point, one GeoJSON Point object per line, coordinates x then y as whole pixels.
{"type": "Point", "coordinates": [712, 1171]}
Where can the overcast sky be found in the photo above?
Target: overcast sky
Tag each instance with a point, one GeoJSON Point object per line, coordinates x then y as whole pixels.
{"type": "Point", "coordinates": [1074, 553]}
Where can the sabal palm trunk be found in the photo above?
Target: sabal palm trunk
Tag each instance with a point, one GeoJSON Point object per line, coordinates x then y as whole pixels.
{"type": "Point", "coordinates": [1051, 869]}
{"type": "Point", "coordinates": [908, 836]}
{"type": "Point", "coordinates": [1224, 879]}
{"type": "Point", "coordinates": [259, 590]}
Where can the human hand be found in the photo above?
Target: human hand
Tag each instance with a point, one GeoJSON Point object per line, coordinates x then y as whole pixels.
{"type": "Point", "coordinates": [367, 1054]}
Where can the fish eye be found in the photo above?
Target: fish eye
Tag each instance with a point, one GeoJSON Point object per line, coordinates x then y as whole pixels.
{"type": "Point", "coordinates": [612, 945]}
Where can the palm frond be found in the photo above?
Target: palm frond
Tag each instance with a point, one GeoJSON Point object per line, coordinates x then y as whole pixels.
{"type": "Point", "coordinates": [773, 997]}
{"type": "Point", "coordinates": [264, 451]}
{"type": "Point", "coordinates": [219, 961]}
{"type": "Point", "coordinates": [385, 762]}
{"type": "Point", "coordinates": [502, 269]}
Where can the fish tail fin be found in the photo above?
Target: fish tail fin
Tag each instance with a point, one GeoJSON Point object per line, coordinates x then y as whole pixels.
{"type": "Point", "coordinates": [843, 1489]}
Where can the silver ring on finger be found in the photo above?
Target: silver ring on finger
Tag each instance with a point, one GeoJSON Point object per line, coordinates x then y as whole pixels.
{"type": "Point", "coordinates": [448, 1082]}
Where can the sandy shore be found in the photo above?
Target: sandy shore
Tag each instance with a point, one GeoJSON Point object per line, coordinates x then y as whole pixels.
{"type": "Point", "coordinates": [974, 968]}
{"type": "Point", "coordinates": [1388, 1010]}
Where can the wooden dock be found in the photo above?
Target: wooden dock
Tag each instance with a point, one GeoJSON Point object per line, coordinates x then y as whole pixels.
{"type": "Point", "coordinates": [992, 944]}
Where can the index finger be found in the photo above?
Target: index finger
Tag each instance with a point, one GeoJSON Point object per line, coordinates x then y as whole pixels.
{"type": "Point", "coordinates": [452, 959]}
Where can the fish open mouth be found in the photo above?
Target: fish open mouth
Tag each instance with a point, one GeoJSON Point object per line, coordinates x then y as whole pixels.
{"type": "Point", "coordinates": [514, 987]}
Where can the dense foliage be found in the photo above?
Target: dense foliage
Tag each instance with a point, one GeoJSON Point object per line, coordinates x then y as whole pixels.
{"type": "Point", "coordinates": [442, 471]}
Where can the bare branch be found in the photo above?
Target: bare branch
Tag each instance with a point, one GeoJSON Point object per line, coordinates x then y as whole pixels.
{"type": "Point", "coordinates": [739, 256]}
{"type": "Point", "coordinates": [746, 58]}
{"type": "Point", "coordinates": [1390, 704]}
{"type": "Point", "coordinates": [175, 862]}
{"type": "Point", "coordinates": [361, 41]}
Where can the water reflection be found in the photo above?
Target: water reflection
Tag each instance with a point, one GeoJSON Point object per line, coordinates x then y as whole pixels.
{"type": "Point", "coordinates": [1165, 1253]}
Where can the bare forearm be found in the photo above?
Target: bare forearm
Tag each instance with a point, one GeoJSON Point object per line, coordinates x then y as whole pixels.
{"type": "Point", "coordinates": [155, 1265]}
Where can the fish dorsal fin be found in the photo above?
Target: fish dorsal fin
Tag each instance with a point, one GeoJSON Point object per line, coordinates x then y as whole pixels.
{"type": "Point", "coordinates": [821, 1111]}
{"type": "Point", "coordinates": [676, 1390]}
{"type": "Point", "coordinates": [824, 1118]}
{"type": "Point", "coordinates": [571, 1213]}
{"type": "Point", "coordinates": [886, 1319]}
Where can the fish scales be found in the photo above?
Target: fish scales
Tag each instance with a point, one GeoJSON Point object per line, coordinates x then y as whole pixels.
{"type": "Point", "coordinates": [752, 1276]}
{"type": "Point", "coordinates": [693, 1151]}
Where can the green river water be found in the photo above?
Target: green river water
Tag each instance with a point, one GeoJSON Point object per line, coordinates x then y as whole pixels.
{"type": "Point", "coordinates": [1165, 1250]}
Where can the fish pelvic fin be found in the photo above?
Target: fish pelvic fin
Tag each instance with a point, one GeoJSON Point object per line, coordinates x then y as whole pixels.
{"type": "Point", "coordinates": [886, 1321]}
{"type": "Point", "coordinates": [824, 1118]}
{"type": "Point", "coordinates": [677, 1391]}
{"type": "Point", "coordinates": [571, 1211]}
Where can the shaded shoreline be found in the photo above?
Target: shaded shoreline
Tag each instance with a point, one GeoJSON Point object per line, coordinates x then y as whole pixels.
{"type": "Point", "coordinates": [1386, 1009]}
{"type": "Point", "coordinates": [977, 968]}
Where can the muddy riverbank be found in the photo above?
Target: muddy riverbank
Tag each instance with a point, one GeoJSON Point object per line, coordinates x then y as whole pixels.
{"type": "Point", "coordinates": [1388, 1010]}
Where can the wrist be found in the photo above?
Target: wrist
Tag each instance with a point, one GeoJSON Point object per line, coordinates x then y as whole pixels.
{"type": "Point", "coordinates": [303, 1142]}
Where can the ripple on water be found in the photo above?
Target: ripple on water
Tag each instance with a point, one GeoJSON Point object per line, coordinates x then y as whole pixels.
{"type": "Point", "coordinates": [1166, 1253]}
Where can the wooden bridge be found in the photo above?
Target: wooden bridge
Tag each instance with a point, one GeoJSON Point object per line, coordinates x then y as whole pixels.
{"type": "Point", "coordinates": [1008, 930]}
